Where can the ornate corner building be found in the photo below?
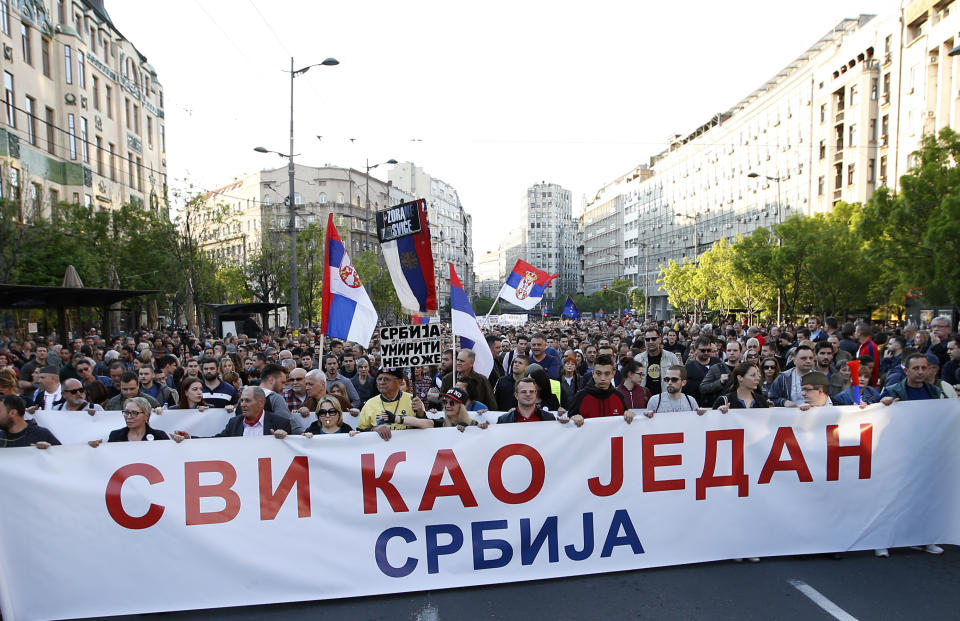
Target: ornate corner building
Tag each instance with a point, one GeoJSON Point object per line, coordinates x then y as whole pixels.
{"type": "Point", "coordinates": [83, 117]}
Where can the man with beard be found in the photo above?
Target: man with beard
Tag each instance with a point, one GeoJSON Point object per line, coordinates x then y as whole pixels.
{"type": "Point", "coordinates": [673, 399]}
{"type": "Point", "coordinates": [655, 359]}
{"type": "Point", "coordinates": [698, 364]}
{"type": "Point", "coordinates": [719, 379]}
{"type": "Point", "coordinates": [216, 392]}
{"type": "Point", "coordinates": [74, 399]}
{"type": "Point", "coordinates": [16, 432]}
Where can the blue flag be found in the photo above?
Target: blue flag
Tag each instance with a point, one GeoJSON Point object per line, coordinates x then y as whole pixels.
{"type": "Point", "coordinates": [570, 309]}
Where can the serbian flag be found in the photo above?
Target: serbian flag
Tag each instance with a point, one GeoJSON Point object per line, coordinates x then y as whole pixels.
{"type": "Point", "coordinates": [347, 311]}
{"type": "Point", "coordinates": [465, 326]}
{"type": "Point", "coordinates": [570, 309]}
{"type": "Point", "coordinates": [418, 319]}
{"type": "Point", "coordinates": [525, 285]}
{"type": "Point", "coordinates": [410, 262]}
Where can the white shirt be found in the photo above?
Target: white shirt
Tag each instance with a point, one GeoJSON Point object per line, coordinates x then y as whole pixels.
{"type": "Point", "coordinates": [253, 430]}
{"type": "Point", "coordinates": [50, 398]}
{"type": "Point", "coordinates": [663, 402]}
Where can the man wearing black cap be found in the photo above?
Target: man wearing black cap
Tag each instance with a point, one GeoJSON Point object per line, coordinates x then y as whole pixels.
{"type": "Point", "coordinates": [49, 394]}
{"type": "Point", "coordinates": [455, 414]}
{"type": "Point", "coordinates": [390, 407]}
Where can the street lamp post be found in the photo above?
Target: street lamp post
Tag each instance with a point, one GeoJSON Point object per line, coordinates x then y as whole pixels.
{"type": "Point", "coordinates": [294, 319]}
{"type": "Point", "coordinates": [366, 226]}
{"type": "Point", "coordinates": [646, 273]}
{"type": "Point", "coordinates": [754, 175]}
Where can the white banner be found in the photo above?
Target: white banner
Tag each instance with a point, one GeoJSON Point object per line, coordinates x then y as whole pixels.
{"type": "Point", "coordinates": [242, 521]}
{"type": "Point", "coordinates": [517, 319]}
{"type": "Point", "coordinates": [77, 427]}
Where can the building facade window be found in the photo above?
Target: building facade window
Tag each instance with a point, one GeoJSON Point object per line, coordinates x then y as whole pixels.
{"type": "Point", "coordinates": [108, 92]}
{"type": "Point", "coordinates": [126, 112]}
{"type": "Point", "coordinates": [84, 147]}
{"type": "Point", "coordinates": [45, 56]}
{"type": "Point", "coordinates": [99, 156]}
{"type": "Point", "coordinates": [5, 16]}
{"type": "Point", "coordinates": [15, 183]}
{"type": "Point", "coordinates": [68, 64]}
{"type": "Point", "coordinates": [72, 135]}
{"type": "Point", "coordinates": [81, 70]}
{"type": "Point", "coordinates": [51, 124]}
{"type": "Point", "coordinates": [10, 95]}
{"type": "Point", "coordinates": [25, 44]}
{"type": "Point", "coordinates": [96, 93]}
{"type": "Point", "coordinates": [163, 140]}
{"type": "Point", "coordinates": [31, 108]}
{"type": "Point", "coordinates": [113, 162]}
{"type": "Point", "coordinates": [149, 131]}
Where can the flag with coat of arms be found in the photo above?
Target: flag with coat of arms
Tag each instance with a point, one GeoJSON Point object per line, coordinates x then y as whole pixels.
{"type": "Point", "coordinates": [525, 285]}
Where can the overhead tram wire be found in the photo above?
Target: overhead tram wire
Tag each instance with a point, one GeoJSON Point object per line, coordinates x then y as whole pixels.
{"type": "Point", "coordinates": [21, 132]}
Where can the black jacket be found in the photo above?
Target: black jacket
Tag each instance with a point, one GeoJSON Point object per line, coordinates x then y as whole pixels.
{"type": "Point", "coordinates": [511, 416]}
{"type": "Point", "coordinates": [731, 399]}
{"type": "Point", "coordinates": [120, 435]}
{"type": "Point", "coordinates": [234, 426]}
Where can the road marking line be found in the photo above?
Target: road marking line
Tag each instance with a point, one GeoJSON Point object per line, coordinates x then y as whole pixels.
{"type": "Point", "coordinates": [817, 598]}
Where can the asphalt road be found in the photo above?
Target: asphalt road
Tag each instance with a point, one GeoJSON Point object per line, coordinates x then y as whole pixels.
{"type": "Point", "coordinates": [909, 585]}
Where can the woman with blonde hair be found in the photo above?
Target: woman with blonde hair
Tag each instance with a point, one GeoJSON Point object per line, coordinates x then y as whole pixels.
{"type": "Point", "coordinates": [454, 414]}
{"type": "Point", "coordinates": [329, 418]}
{"type": "Point", "coordinates": [8, 382]}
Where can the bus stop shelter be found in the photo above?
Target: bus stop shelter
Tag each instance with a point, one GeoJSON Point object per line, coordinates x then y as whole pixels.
{"type": "Point", "coordinates": [63, 298]}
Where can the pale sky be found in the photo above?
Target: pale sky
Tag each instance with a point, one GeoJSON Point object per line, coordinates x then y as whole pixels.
{"type": "Point", "coordinates": [490, 97]}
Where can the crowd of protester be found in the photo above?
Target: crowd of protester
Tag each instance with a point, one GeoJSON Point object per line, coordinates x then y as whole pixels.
{"type": "Point", "coordinates": [561, 371]}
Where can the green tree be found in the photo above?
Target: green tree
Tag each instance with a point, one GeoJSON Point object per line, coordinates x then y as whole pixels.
{"type": "Point", "coordinates": [685, 291]}
{"type": "Point", "coordinates": [310, 268]}
{"type": "Point", "coordinates": [912, 236]}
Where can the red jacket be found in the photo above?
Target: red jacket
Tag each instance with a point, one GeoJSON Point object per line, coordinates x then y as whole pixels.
{"type": "Point", "coordinates": [593, 402]}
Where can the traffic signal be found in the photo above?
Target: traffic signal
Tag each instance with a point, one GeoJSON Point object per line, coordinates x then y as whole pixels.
{"type": "Point", "coordinates": [604, 287]}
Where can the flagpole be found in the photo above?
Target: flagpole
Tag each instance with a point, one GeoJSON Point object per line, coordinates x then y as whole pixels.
{"type": "Point", "coordinates": [453, 337]}
{"type": "Point", "coordinates": [486, 318]}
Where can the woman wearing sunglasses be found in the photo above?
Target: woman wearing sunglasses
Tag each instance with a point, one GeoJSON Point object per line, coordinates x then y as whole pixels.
{"type": "Point", "coordinates": [136, 413]}
{"type": "Point", "coordinates": [454, 414]}
{"type": "Point", "coordinates": [329, 418]}
{"type": "Point", "coordinates": [769, 369]}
